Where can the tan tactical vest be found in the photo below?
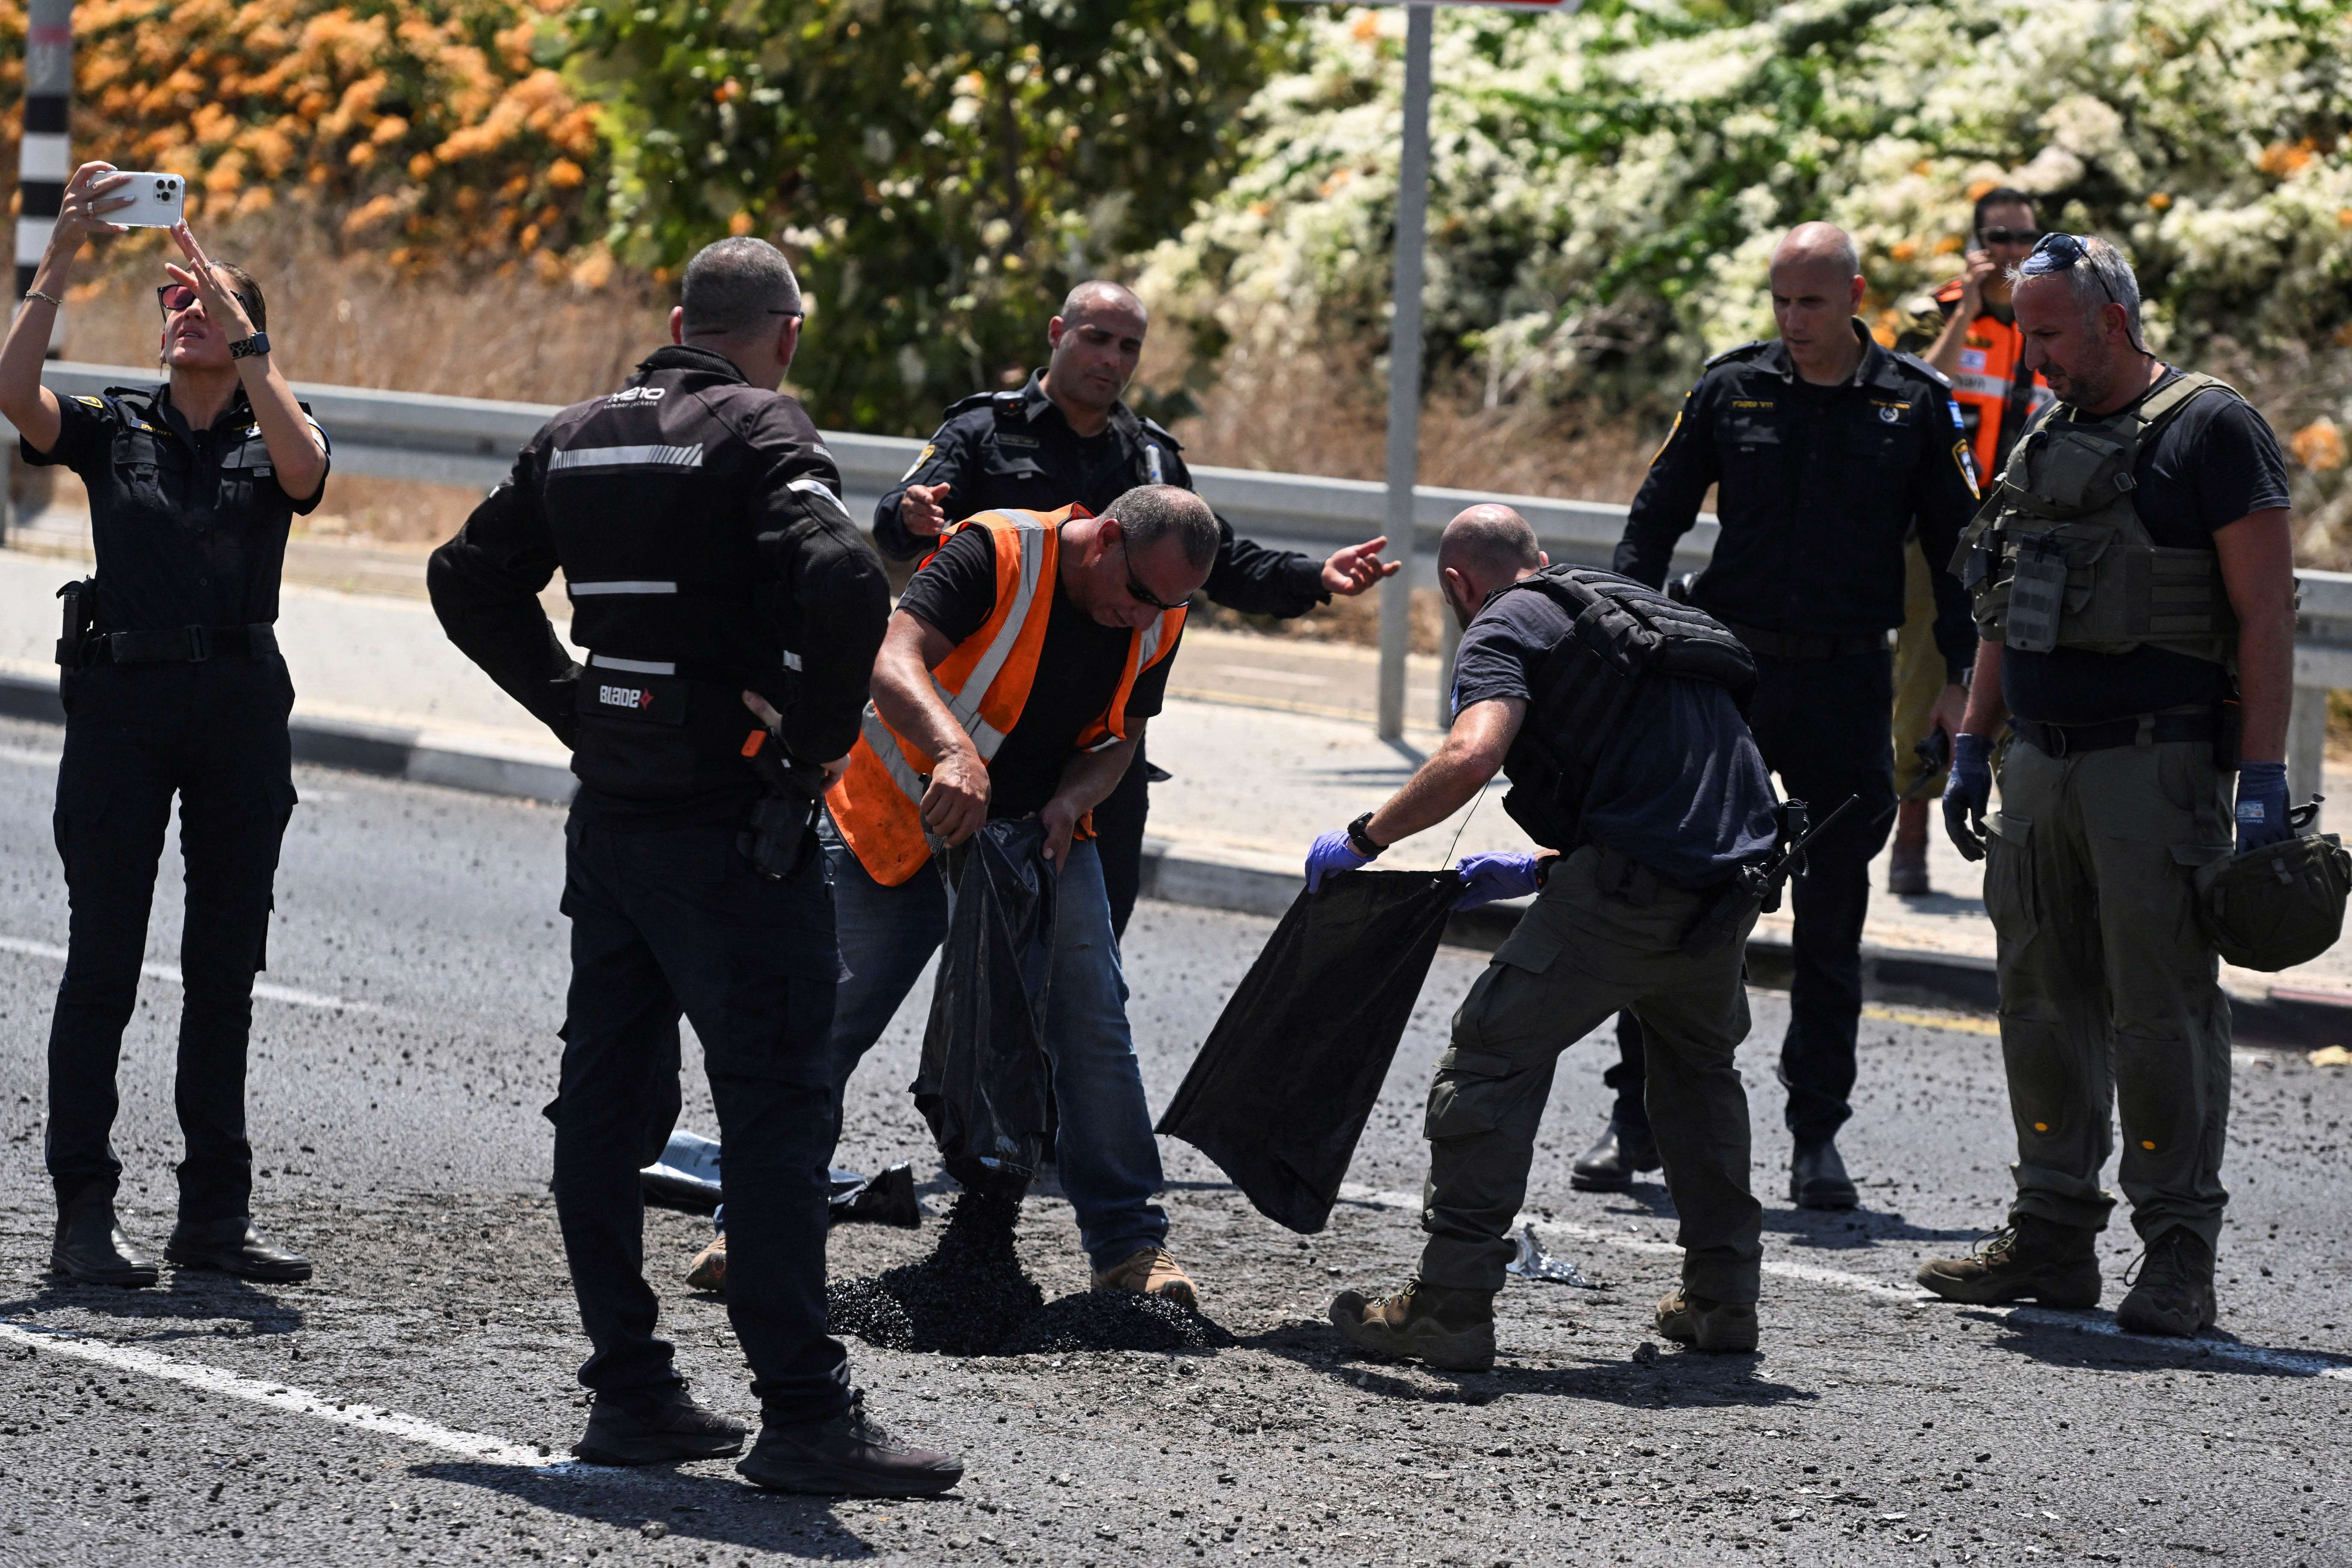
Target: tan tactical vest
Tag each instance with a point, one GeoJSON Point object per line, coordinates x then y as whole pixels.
{"type": "Point", "coordinates": [2057, 556]}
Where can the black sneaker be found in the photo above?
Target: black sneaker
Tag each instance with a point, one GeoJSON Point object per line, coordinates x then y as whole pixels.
{"type": "Point", "coordinates": [2174, 1291]}
{"type": "Point", "coordinates": [850, 1452]}
{"type": "Point", "coordinates": [657, 1429]}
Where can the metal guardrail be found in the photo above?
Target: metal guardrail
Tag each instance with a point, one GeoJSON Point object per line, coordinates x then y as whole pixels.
{"type": "Point", "coordinates": [472, 441]}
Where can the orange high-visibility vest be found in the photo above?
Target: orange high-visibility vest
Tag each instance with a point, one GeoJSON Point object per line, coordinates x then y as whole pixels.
{"type": "Point", "coordinates": [1991, 356]}
{"type": "Point", "coordinates": [985, 683]}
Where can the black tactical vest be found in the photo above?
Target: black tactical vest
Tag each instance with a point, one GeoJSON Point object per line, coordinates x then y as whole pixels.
{"type": "Point", "coordinates": [1622, 635]}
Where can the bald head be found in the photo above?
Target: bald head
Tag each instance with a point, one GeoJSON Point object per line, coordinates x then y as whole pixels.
{"type": "Point", "coordinates": [1486, 547]}
{"type": "Point", "coordinates": [1096, 342]}
{"type": "Point", "coordinates": [1098, 295]}
{"type": "Point", "coordinates": [1816, 286]}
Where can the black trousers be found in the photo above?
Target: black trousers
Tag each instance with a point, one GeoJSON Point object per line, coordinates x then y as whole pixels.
{"type": "Point", "coordinates": [1118, 838]}
{"type": "Point", "coordinates": [1826, 726]}
{"type": "Point", "coordinates": [675, 921]}
{"type": "Point", "coordinates": [215, 736]}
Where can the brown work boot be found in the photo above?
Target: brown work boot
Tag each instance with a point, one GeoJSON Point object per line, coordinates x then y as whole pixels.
{"type": "Point", "coordinates": [2174, 1293]}
{"type": "Point", "coordinates": [1726, 1326]}
{"type": "Point", "coordinates": [1155, 1272]}
{"type": "Point", "coordinates": [1444, 1327]}
{"type": "Point", "coordinates": [1906, 871]}
{"type": "Point", "coordinates": [709, 1269]}
{"type": "Point", "coordinates": [2029, 1260]}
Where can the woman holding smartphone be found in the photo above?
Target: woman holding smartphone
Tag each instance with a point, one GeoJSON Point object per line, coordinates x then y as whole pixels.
{"type": "Point", "coordinates": [173, 685]}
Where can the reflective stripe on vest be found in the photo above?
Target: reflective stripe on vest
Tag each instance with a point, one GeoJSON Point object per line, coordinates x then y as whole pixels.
{"type": "Point", "coordinates": [985, 683]}
{"type": "Point", "coordinates": [1989, 358]}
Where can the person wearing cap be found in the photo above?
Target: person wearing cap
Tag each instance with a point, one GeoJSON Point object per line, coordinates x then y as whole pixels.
{"type": "Point", "coordinates": [2132, 582]}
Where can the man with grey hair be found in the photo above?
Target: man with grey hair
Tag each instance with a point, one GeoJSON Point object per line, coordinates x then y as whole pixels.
{"type": "Point", "coordinates": [2133, 578]}
{"type": "Point", "coordinates": [731, 614]}
{"type": "Point", "coordinates": [1825, 449]}
{"type": "Point", "coordinates": [1651, 798]}
{"type": "Point", "coordinates": [1021, 669]}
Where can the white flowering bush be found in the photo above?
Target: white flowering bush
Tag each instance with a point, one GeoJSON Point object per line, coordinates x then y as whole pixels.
{"type": "Point", "coordinates": [1607, 186]}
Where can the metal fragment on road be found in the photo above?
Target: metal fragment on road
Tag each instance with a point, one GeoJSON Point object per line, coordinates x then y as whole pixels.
{"type": "Point", "coordinates": [1532, 1262]}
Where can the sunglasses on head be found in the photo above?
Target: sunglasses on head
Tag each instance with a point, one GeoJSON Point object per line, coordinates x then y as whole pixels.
{"type": "Point", "coordinates": [2009, 236]}
{"type": "Point", "coordinates": [2059, 253]}
{"type": "Point", "coordinates": [1142, 595]}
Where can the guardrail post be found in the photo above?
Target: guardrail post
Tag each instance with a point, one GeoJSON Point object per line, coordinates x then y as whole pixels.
{"type": "Point", "coordinates": [2306, 744]}
{"type": "Point", "coordinates": [1404, 373]}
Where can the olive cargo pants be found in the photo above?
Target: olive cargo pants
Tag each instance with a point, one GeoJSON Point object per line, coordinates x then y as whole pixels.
{"type": "Point", "coordinates": [1583, 951]}
{"type": "Point", "coordinates": [2110, 990]}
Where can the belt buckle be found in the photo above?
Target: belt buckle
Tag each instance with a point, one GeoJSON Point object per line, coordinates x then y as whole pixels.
{"type": "Point", "coordinates": [200, 644]}
{"type": "Point", "coordinates": [2056, 733]}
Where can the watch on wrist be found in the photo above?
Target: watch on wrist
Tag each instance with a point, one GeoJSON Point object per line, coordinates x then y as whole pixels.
{"type": "Point", "coordinates": [1359, 837]}
{"type": "Point", "coordinates": [246, 348]}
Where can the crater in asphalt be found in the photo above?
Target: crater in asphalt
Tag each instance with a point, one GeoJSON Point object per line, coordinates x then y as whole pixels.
{"type": "Point", "coordinates": [971, 1297]}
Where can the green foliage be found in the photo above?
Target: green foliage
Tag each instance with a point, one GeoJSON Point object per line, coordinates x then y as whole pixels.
{"type": "Point", "coordinates": [942, 170]}
{"type": "Point", "coordinates": [1607, 186]}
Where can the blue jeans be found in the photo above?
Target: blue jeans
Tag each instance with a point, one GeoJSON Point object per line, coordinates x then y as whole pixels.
{"type": "Point", "coordinates": [1108, 1158]}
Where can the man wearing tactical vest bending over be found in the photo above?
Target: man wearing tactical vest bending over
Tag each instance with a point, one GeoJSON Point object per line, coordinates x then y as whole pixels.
{"type": "Point", "coordinates": [1054, 633]}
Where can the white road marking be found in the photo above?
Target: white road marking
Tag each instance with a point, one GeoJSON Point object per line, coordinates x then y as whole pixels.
{"type": "Point", "coordinates": [169, 973]}
{"type": "Point", "coordinates": [1279, 677]}
{"type": "Point", "coordinates": [2293, 1363]}
{"type": "Point", "coordinates": [469, 1446]}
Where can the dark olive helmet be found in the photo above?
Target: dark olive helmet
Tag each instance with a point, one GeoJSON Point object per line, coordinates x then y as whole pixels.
{"type": "Point", "coordinates": [2278, 906]}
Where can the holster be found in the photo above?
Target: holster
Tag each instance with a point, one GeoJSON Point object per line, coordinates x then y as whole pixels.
{"type": "Point", "coordinates": [780, 835]}
{"type": "Point", "coordinates": [79, 602]}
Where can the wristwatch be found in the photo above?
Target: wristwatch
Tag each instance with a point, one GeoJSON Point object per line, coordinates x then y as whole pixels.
{"type": "Point", "coordinates": [1360, 839]}
{"type": "Point", "coordinates": [246, 348]}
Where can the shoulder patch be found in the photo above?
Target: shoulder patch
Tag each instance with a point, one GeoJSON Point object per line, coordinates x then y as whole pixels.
{"type": "Point", "coordinates": [920, 458]}
{"type": "Point", "coordinates": [1744, 352]}
{"type": "Point", "coordinates": [93, 402]}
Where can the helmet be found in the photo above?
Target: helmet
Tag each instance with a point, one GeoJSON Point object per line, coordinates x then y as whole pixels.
{"type": "Point", "coordinates": [2281, 905]}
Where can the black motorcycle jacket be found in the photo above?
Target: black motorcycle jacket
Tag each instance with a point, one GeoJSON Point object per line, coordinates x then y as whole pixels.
{"type": "Point", "coordinates": [697, 522]}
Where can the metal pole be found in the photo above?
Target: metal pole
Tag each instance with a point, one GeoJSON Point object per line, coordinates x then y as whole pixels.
{"type": "Point", "coordinates": [42, 164]}
{"type": "Point", "coordinates": [1404, 373]}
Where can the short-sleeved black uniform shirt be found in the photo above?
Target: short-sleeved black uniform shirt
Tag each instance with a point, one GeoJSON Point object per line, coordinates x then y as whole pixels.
{"type": "Point", "coordinates": [2215, 462]}
{"type": "Point", "coordinates": [189, 526]}
{"type": "Point", "coordinates": [1685, 792]}
{"type": "Point", "coordinates": [1078, 670]}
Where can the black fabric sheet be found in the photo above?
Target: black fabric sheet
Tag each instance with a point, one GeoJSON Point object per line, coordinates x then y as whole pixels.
{"type": "Point", "coordinates": [985, 1085]}
{"type": "Point", "coordinates": [1280, 1093]}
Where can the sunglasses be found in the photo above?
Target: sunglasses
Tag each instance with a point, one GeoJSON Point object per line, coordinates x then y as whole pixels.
{"type": "Point", "coordinates": [2059, 253]}
{"type": "Point", "coordinates": [1143, 594]}
{"type": "Point", "coordinates": [2009, 236]}
{"type": "Point", "coordinates": [176, 297]}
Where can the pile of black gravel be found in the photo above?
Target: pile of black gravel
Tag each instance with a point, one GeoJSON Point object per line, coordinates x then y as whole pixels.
{"type": "Point", "coordinates": [971, 1297]}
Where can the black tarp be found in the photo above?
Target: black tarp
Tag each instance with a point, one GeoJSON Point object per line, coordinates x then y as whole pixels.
{"type": "Point", "coordinates": [985, 1085]}
{"type": "Point", "coordinates": [1281, 1091]}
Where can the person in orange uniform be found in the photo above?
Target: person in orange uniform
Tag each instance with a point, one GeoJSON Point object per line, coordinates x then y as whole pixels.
{"type": "Point", "coordinates": [1967, 330]}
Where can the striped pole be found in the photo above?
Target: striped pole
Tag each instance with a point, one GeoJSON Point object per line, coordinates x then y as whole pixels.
{"type": "Point", "coordinates": [45, 159]}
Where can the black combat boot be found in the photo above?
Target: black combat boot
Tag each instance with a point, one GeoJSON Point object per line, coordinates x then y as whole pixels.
{"type": "Point", "coordinates": [2030, 1260]}
{"type": "Point", "coordinates": [1444, 1326]}
{"type": "Point", "coordinates": [233, 1247]}
{"type": "Point", "coordinates": [849, 1454]}
{"type": "Point", "coordinates": [657, 1427]}
{"type": "Point", "coordinates": [91, 1246]}
{"type": "Point", "coordinates": [1622, 1152]}
{"type": "Point", "coordinates": [2174, 1292]}
{"type": "Point", "coordinates": [1817, 1178]}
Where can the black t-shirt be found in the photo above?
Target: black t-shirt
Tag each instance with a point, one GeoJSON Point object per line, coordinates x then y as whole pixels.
{"type": "Point", "coordinates": [2213, 462]}
{"type": "Point", "coordinates": [1078, 670]}
{"type": "Point", "coordinates": [189, 526]}
{"type": "Point", "coordinates": [1685, 792]}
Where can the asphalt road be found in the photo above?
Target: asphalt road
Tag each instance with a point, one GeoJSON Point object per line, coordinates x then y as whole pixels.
{"type": "Point", "coordinates": [412, 1403]}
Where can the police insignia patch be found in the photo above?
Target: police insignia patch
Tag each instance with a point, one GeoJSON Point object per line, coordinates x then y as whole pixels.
{"type": "Point", "coordinates": [1968, 465]}
{"type": "Point", "coordinates": [920, 458]}
{"type": "Point", "coordinates": [93, 401]}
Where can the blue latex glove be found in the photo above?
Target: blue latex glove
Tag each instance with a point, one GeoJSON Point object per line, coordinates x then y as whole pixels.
{"type": "Point", "coordinates": [1332, 852]}
{"type": "Point", "coordinates": [2261, 804]}
{"type": "Point", "coordinates": [1967, 794]}
{"type": "Point", "coordinates": [1494, 874]}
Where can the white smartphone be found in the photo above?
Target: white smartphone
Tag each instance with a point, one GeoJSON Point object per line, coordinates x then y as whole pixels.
{"type": "Point", "coordinates": [156, 200]}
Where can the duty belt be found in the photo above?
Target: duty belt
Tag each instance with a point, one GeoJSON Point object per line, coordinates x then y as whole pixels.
{"type": "Point", "coordinates": [1803, 648]}
{"type": "Point", "coordinates": [181, 644]}
{"type": "Point", "coordinates": [2139, 729]}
